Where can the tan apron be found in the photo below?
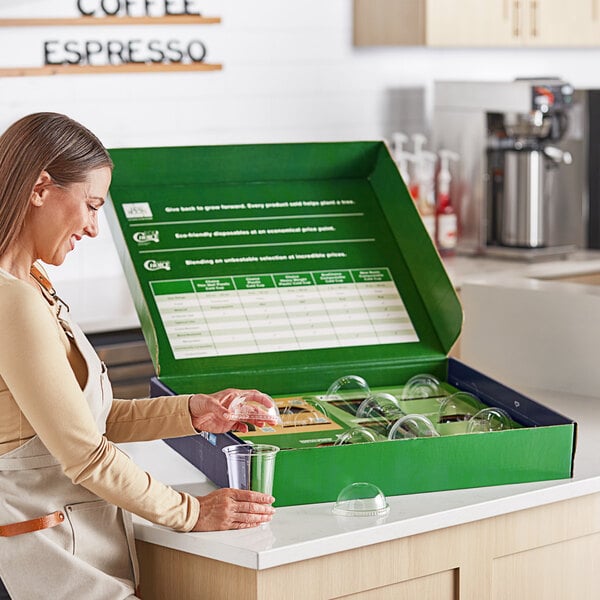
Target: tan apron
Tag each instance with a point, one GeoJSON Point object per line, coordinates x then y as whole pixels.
{"type": "Point", "coordinates": [91, 554]}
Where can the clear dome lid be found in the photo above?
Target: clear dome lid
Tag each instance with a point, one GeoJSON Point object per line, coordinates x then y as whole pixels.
{"type": "Point", "coordinates": [349, 391]}
{"type": "Point", "coordinates": [303, 413]}
{"type": "Point", "coordinates": [361, 499]}
{"type": "Point", "coordinates": [252, 411]}
{"type": "Point", "coordinates": [380, 405]}
{"type": "Point", "coordinates": [489, 419]}
{"type": "Point", "coordinates": [458, 407]}
{"type": "Point", "coordinates": [412, 426]}
{"type": "Point", "coordinates": [319, 407]}
{"type": "Point", "coordinates": [307, 417]}
{"type": "Point", "coordinates": [421, 386]}
{"type": "Point", "coordinates": [356, 435]}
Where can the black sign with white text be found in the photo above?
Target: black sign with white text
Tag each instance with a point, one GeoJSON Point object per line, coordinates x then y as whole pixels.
{"type": "Point", "coordinates": [127, 51]}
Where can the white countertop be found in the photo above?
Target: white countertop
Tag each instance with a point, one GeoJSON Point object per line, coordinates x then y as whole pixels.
{"type": "Point", "coordinates": [543, 319]}
{"type": "Point", "coordinates": [301, 532]}
{"type": "Point", "coordinates": [467, 269]}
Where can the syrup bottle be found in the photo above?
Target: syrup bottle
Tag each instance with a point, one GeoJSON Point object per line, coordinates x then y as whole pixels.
{"type": "Point", "coordinates": [446, 218]}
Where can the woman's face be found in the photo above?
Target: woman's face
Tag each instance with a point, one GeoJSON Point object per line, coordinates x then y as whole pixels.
{"type": "Point", "coordinates": [61, 216]}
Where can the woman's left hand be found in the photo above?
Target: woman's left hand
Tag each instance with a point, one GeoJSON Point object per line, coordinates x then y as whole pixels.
{"type": "Point", "coordinates": [210, 412]}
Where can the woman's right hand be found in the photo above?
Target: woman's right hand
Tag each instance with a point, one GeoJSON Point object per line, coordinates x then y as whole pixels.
{"type": "Point", "coordinates": [229, 508]}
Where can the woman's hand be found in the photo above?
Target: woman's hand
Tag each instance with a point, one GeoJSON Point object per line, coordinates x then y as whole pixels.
{"type": "Point", "coordinates": [210, 412]}
{"type": "Point", "coordinates": [228, 508]}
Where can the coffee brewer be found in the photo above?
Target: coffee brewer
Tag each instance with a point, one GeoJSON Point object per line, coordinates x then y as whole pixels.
{"type": "Point", "coordinates": [516, 193]}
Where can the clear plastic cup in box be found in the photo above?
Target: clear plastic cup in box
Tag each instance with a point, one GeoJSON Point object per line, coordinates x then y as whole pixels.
{"type": "Point", "coordinates": [380, 405]}
{"type": "Point", "coordinates": [251, 466]}
{"type": "Point", "coordinates": [356, 435]}
{"type": "Point", "coordinates": [251, 411]}
{"type": "Point", "coordinates": [361, 499]}
{"type": "Point", "coordinates": [489, 419]}
{"type": "Point", "coordinates": [348, 392]}
{"type": "Point", "coordinates": [458, 407]}
{"type": "Point", "coordinates": [422, 386]}
{"type": "Point", "coordinates": [412, 426]}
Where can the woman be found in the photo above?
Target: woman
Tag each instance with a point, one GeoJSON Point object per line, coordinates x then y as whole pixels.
{"type": "Point", "coordinates": [66, 490]}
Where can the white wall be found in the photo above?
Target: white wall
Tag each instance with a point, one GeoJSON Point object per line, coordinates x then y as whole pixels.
{"type": "Point", "coordinates": [290, 73]}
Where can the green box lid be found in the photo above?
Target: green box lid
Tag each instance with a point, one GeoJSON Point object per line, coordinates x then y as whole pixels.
{"type": "Point", "coordinates": [278, 263]}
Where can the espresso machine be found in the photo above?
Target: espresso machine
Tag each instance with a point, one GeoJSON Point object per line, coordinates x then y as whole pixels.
{"type": "Point", "coordinates": [518, 192]}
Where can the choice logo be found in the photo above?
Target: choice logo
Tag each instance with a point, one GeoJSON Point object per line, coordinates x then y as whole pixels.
{"type": "Point", "coordinates": [156, 265]}
{"type": "Point", "coordinates": [145, 237]}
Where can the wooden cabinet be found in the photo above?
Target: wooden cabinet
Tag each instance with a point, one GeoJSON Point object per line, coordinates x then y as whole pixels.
{"type": "Point", "coordinates": [472, 23]}
{"type": "Point", "coordinates": [464, 23]}
{"type": "Point", "coordinates": [559, 23]}
{"type": "Point", "coordinates": [549, 552]}
{"type": "Point", "coordinates": [389, 23]}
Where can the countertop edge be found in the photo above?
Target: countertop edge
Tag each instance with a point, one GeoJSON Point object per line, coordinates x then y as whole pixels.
{"type": "Point", "coordinates": [550, 492]}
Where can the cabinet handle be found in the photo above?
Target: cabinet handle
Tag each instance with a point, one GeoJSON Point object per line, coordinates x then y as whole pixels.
{"type": "Point", "coordinates": [534, 16]}
{"type": "Point", "coordinates": [594, 10]}
{"type": "Point", "coordinates": [516, 10]}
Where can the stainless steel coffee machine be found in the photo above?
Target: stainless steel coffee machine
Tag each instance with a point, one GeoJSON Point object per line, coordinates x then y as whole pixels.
{"type": "Point", "coordinates": [517, 192]}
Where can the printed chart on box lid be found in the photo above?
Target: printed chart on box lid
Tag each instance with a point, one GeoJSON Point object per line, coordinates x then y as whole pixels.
{"type": "Point", "coordinates": [244, 277]}
{"type": "Point", "coordinates": [254, 313]}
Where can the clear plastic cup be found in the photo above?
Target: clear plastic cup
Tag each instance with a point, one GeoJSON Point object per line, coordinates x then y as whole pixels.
{"type": "Point", "coordinates": [251, 466]}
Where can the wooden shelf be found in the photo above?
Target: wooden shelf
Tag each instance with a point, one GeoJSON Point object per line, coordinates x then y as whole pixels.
{"type": "Point", "coordinates": [77, 21]}
{"type": "Point", "coordinates": [96, 69]}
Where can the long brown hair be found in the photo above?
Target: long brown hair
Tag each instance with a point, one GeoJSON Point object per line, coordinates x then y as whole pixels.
{"type": "Point", "coordinates": [39, 142]}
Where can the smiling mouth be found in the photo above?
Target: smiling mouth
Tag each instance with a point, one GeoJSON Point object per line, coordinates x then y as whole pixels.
{"type": "Point", "coordinates": [74, 238]}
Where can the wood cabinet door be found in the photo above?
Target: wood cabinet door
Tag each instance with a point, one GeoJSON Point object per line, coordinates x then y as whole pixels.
{"type": "Point", "coordinates": [555, 23]}
{"type": "Point", "coordinates": [474, 23]}
{"type": "Point", "coordinates": [477, 23]}
{"type": "Point", "coordinates": [389, 22]}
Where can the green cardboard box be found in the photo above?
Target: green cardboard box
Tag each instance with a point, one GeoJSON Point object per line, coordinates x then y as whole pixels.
{"type": "Point", "coordinates": [282, 267]}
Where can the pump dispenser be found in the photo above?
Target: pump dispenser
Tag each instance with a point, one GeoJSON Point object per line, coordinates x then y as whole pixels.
{"type": "Point", "coordinates": [399, 139]}
{"type": "Point", "coordinates": [402, 157]}
{"type": "Point", "coordinates": [447, 221]}
{"type": "Point", "coordinates": [425, 163]}
{"type": "Point", "coordinates": [419, 140]}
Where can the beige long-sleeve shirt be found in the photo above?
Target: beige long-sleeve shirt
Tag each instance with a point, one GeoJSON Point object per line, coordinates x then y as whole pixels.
{"type": "Point", "coordinates": [42, 375]}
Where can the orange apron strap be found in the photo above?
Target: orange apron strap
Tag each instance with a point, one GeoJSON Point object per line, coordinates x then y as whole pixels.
{"type": "Point", "coordinates": [46, 285]}
{"type": "Point", "coordinates": [51, 520]}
